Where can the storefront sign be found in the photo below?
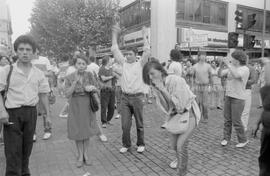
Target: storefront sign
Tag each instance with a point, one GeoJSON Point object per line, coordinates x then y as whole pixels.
{"type": "Point", "coordinates": [135, 37]}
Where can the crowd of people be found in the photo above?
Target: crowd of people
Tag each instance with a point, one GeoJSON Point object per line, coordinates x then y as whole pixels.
{"type": "Point", "coordinates": [184, 89]}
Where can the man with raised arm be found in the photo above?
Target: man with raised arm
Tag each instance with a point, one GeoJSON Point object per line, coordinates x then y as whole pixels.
{"type": "Point", "coordinates": [133, 87]}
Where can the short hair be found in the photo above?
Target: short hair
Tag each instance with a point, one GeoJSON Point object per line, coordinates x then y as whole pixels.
{"type": "Point", "coordinates": [133, 49]}
{"type": "Point", "coordinates": [105, 60]}
{"type": "Point", "coordinates": [176, 55]}
{"type": "Point", "coordinates": [201, 53]}
{"type": "Point", "coordinates": [149, 65]}
{"type": "Point", "coordinates": [81, 56]}
{"type": "Point", "coordinates": [26, 39]}
{"type": "Point", "coordinates": [92, 58]}
{"type": "Point", "coordinates": [240, 56]}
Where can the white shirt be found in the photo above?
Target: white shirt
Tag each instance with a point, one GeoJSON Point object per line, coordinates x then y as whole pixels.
{"type": "Point", "coordinates": [131, 80]}
{"type": "Point", "coordinates": [70, 70]}
{"type": "Point", "coordinates": [42, 63]}
{"type": "Point", "coordinates": [175, 68]}
{"type": "Point", "coordinates": [235, 88]}
{"type": "Point", "coordinates": [23, 90]}
{"type": "Point", "coordinates": [93, 68]}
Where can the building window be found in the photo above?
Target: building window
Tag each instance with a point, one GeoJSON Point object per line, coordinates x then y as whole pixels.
{"type": "Point", "coordinates": [259, 18]}
{"type": "Point", "coordinates": [135, 14]}
{"type": "Point", "coordinates": [202, 11]}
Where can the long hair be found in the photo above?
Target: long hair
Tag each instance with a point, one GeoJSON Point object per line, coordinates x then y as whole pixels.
{"type": "Point", "coordinates": [149, 65]}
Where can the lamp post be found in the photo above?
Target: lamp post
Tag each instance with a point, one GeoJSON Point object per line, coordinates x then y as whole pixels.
{"type": "Point", "coordinates": [263, 31]}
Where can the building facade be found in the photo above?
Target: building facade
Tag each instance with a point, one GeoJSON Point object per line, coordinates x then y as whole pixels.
{"type": "Point", "coordinates": [193, 24]}
{"type": "Point", "coordinates": [5, 29]}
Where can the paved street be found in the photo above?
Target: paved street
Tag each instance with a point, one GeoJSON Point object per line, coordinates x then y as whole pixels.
{"type": "Point", "coordinates": [57, 156]}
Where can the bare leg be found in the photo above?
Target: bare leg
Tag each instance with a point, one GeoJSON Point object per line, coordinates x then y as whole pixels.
{"type": "Point", "coordinates": [79, 145]}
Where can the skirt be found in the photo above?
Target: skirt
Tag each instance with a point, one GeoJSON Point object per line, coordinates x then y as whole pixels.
{"type": "Point", "coordinates": [81, 123]}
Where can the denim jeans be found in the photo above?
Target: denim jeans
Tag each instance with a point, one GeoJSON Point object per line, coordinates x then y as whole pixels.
{"type": "Point", "coordinates": [107, 100]}
{"type": "Point", "coordinates": [18, 139]}
{"type": "Point", "coordinates": [132, 105]}
{"type": "Point", "coordinates": [233, 109]}
{"type": "Point", "coordinates": [246, 111]}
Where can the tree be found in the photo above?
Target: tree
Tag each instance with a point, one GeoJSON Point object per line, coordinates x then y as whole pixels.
{"type": "Point", "coordinates": [61, 26]}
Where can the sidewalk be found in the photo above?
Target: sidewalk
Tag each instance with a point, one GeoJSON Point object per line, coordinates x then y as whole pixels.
{"type": "Point", "coordinates": [57, 156]}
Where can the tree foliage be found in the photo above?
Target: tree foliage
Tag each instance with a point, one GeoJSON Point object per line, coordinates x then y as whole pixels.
{"type": "Point", "coordinates": [61, 26]}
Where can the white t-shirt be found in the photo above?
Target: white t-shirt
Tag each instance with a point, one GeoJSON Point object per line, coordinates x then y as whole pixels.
{"type": "Point", "coordinates": [235, 88]}
{"type": "Point", "coordinates": [70, 70]}
{"type": "Point", "coordinates": [93, 68]}
{"type": "Point", "coordinates": [175, 68]}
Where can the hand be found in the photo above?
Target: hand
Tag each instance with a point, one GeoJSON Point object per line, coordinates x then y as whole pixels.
{"type": "Point", "coordinates": [4, 117]}
{"type": "Point", "coordinates": [265, 60]}
{"type": "Point", "coordinates": [158, 84]}
{"type": "Point", "coordinates": [90, 88]}
{"type": "Point", "coordinates": [226, 61]}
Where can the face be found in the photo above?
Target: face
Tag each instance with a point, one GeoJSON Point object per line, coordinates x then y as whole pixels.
{"type": "Point", "coordinates": [188, 63]}
{"type": "Point", "coordinates": [99, 61]}
{"type": "Point", "coordinates": [25, 52]}
{"type": "Point", "coordinates": [234, 62]}
{"type": "Point", "coordinates": [213, 64]}
{"type": "Point", "coordinates": [155, 75]}
{"type": "Point", "coordinates": [80, 65]}
{"type": "Point", "coordinates": [202, 58]}
{"type": "Point", "coordinates": [131, 57]}
{"type": "Point", "coordinates": [4, 61]}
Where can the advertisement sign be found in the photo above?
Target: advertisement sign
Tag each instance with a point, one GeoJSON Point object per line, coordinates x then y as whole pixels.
{"type": "Point", "coordinates": [135, 37]}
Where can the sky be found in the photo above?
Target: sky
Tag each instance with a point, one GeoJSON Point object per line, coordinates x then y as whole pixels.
{"type": "Point", "coordinates": [20, 11]}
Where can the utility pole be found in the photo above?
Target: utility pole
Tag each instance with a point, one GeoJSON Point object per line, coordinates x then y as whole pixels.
{"type": "Point", "coordinates": [264, 23]}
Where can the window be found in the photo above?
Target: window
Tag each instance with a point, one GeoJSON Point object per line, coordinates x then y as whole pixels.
{"type": "Point", "coordinates": [202, 11]}
{"type": "Point", "coordinates": [259, 18]}
{"type": "Point", "coordinates": [135, 14]}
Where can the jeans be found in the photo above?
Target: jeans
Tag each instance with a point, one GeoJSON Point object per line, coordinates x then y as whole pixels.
{"type": "Point", "coordinates": [264, 160]}
{"type": "Point", "coordinates": [107, 100]}
{"type": "Point", "coordinates": [132, 105]}
{"type": "Point", "coordinates": [118, 93]}
{"type": "Point", "coordinates": [246, 111]}
{"type": "Point", "coordinates": [18, 139]}
{"type": "Point", "coordinates": [233, 109]}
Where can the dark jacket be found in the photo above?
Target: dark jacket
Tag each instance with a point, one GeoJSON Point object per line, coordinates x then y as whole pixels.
{"type": "Point", "coordinates": [265, 96]}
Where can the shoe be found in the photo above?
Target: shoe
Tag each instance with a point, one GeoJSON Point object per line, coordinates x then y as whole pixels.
{"type": "Point", "coordinates": [63, 115]}
{"type": "Point", "coordinates": [34, 138]}
{"type": "Point", "coordinates": [224, 142]}
{"type": "Point", "coordinates": [79, 164]}
{"type": "Point", "coordinates": [123, 150]}
{"type": "Point", "coordinates": [140, 149]}
{"type": "Point", "coordinates": [220, 108]}
{"type": "Point", "coordinates": [103, 138]}
{"type": "Point", "coordinates": [87, 162]}
{"type": "Point", "coordinates": [149, 102]}
{"type": "Point", "coordinates": [47, 136]}
{"type": "Point", "coordinates": [163, 126]}
{"type": "Point", "coordinates": [204, 120]}
{"type": "Point", "coordinates": [173, 164]}
{"type": "Point", "coordinates": [117, 116]}
{"type": "Point", "coordinates": [104, 125]}
{"type": "Point", "coordinates": [109, 123]}
{"type": "Point", "coordinates": [240, 145]}
{"type": "Point", "coordinates": [259, 107]}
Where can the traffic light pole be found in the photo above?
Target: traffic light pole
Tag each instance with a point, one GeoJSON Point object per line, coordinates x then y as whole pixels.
{"type": "Point", "coordinates": [264, 23]}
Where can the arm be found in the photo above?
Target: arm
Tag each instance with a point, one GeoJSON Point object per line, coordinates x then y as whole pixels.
{"type": "Point", "coordinates": [117, 54]}
{"type": "Point", "coordinates": [45, 101]}
{"type": "Point", "coordinates": [3, 113]}
{"type": "Point", "coordinates": [146, 48]}
{"type": "Point", "coordinates": [221, 71]}
{"type": "Point", "coordinates": [106, 78]}
{"type": "Point", "coordinates": [253, 77]}
{"type": "Point", "coordinates": [70, 87]}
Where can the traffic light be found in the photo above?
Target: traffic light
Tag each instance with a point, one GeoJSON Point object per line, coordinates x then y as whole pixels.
{"type": "Point", "coordinates": [251, 20]}
{"type": "Point", "coordinates": [232, 39]}
{"type": "Point", "coordinates": [239, 19]}
{"type": "Point", "coordinates": [249, 41]}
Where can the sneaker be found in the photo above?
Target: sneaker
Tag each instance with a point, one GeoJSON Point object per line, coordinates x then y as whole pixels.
{"type": "Point", "coordinates": [117, 116]}
{"type": "Point", "coordinates": [47, 135]}
{"type": "Point", "coordinates": [220, 108]}
{"type": "Point", "coordinates": [224, 142]}
{"type": "Point", "coordinates": [240, 145]}
{"type": "Point", "coordinates": [123, 150]}
{"type": "Point", "coordinates": [149, 102]}
{"type": "Point", "coordinates": [163, 126]}
{"type": "Point", "coordinates": [109, 123]}
{"type": "Point", "coordinates": [173, 164]}
{"type": "Point", "coordinates": [103, 138]}
{"type": "Point", "coordinates": [34, 138]}
{"type": "Point", "coordinates": [140, 149]}
{"type": "Point", "coordinates": [63, 115]}
{"type": "Point", "coordinates": [104, 125]}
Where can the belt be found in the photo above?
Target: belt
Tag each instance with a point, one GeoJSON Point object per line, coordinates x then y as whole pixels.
{"type": "Point", "coordinates": [22, 107]}
{"type": "Point", "coordinates": [107, 89]}
{"type": "Point", "coordinates": [132, 94]}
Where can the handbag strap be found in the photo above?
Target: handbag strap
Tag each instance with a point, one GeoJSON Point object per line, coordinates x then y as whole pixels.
{"type": "Point", "coordinates": [8, 82]}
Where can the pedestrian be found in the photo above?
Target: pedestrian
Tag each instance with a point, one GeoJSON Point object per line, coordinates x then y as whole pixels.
{"type": "Point", "coordinates": [252, 79]}
{"type": "Point", "coordinates": [175, 89]}
{"type": "Point", "coordinates": [264, 160]}
{"type": "Point", "coordinates": [19, 113]}
{"type": "Point", "coordinates": [81, 124]}
{"type": "Point", "coordinates": [202, 72]}
{"type": "Point", "coordinates": [44, 65]}
{"type": "Point", "coordinates": [237, 76]}
{"type": "Point", "coordinates": [93, 67]}
{"type": "Point", "coordinates": [107, 91]}
{"type": "Point", "coordinates": [132, 87]}
{"type": "Point", "coordinates": [217, 92]}
{"type": "Point", "coordinates": [175, 66]}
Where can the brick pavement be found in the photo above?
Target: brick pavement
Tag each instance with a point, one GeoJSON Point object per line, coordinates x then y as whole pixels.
{"type": "Point", "coordinates": [56, 157]}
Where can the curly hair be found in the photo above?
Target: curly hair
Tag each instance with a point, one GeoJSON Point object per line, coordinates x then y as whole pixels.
{"type": "Point", "coordinates": [25, 39]}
